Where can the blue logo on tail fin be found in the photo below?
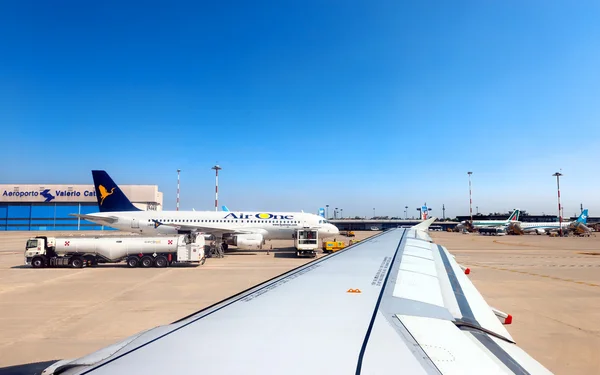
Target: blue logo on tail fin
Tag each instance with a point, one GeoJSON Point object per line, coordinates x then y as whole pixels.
{"type": "Point", "coordinates": [109, 195]}
{"type": "Point", "coordinates": [583, 217]}
{"type": "Point", "coordinates": [224, 208]}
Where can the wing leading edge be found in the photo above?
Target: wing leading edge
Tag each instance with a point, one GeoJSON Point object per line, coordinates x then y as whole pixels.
{"type": "Point", "coordinates": [394, 301]}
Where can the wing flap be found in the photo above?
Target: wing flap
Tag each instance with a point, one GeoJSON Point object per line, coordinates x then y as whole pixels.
{"type": "Point", "coordinates": [418, 287]}
{"type": "Point", "coordinates": [394, 350]}
{"type": "Point", "coordinates": [448, 348]}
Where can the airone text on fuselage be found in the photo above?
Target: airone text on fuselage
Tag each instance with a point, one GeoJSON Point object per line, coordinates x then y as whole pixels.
{"type": "Point", "coordinates": [265, 216]}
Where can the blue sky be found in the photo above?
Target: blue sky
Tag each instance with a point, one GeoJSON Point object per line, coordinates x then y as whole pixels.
{"type": "Point", "coordinates": [356, 105]}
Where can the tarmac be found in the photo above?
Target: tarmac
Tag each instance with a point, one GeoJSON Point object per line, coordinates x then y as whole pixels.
{"type": "Point", "coordinates": [549, 285]}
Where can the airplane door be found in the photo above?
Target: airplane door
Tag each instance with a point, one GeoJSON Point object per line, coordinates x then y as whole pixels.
{"type": "Point", "coordinates": [135, 223]}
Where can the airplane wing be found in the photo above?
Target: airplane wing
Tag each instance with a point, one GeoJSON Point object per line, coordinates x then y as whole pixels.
{"type": "Point", "coordinates": [393, 303]}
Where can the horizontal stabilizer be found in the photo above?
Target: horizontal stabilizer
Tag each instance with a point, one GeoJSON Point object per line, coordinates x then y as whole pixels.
{"type": "Point", "coordinates": [97, 219]}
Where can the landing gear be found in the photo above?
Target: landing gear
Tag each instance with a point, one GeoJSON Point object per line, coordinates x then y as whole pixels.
{"type": "Point", "coordinates": [217, 248]}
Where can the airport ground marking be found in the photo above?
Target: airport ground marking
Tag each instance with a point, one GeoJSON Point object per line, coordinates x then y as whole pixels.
{"type": "Point", "coordinates": [539, 275]}
{"type": "Point", "coordinates": [515, 244]}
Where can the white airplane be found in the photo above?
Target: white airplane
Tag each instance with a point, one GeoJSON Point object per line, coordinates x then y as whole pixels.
{"type": "Point", "coordinates": [543, 227]}
{"type": "Point", "coordinates": [513, 218]}
{"type": "Point", "coordinates": [393, 303]}
{"type": "Point", "coordinates": [241, 229]}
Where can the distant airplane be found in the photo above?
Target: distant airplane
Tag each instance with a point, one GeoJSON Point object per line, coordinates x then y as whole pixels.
{"type": "Point", "coordinates": [393, 303]}
{"type": "Point", "coordinates": [513, 218]}
{"type": "Point", "coordinates": [544, 227]}
{"type": "Point", "coordinates": [241, 229]}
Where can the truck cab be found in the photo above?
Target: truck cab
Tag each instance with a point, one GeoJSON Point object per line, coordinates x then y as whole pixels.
{"type": "Point", "coordinates": [37, 247]}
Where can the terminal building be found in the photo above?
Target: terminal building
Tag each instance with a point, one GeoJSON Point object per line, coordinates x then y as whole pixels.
{"type": "Point", "coordinates": [48, 207]}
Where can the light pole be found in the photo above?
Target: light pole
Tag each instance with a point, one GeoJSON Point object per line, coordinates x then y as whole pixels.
{"type": "Point", "coordinates": [327, 214]}
{"type": "Point", "coordinates": [470, 197]}
{"type": "Point", "coordinates": [443, 212]}
{"type": "Point", "coordinates": [477, 209]}
{"type": "Point", "coordinates": [373, 212]}
{"type": "Point", "coordinates": [405, 212]}
{"type": "Point", "coordinates": [217, 169]}
{"type": "Point", "coordinates": [341, 213]}
{"type": "Point", "coordinates": [335, 213]}
{"type": "Point", "coordinates": [557, 175]}
{"type": "Point", "coordinates": [178, 171]}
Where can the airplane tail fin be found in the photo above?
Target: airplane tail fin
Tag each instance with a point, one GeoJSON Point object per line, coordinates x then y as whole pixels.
{"type": "Point", "coordinates": [224, 208]}
{"type": "Point", "coordinates": [514, 216]}
{"type": "Point", "coordinates": [583, 217]}
{"type": "Point", "coordinates": [109, 195]}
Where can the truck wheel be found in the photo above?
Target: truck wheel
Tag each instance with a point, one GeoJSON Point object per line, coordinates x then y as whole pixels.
{"type": "Point", "coordinates": [132, 262]}
{"type": "Point", "coordinates": [161, 261]}
{"type": "Point", "coordinates": [76, 262]}
{"type": "Point", "coordinates": [147, 261]}
{"type": "Point", "coordinates": [38, 262]}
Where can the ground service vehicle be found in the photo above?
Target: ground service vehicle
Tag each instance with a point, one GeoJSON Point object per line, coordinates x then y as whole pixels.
{"type": "Point", "coordinates": [306, 241]}
{"type": "Point", "coordinates": [157, 251]}
{"type": "Point", "coordinates": [492, 231]}
{"type": "Point", "coordinates": [333, 246]}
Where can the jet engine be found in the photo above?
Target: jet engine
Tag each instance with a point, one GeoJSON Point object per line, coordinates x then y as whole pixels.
{"type": "Point", "coordinates": [540, 231]}
{"type": "Point", "coordinates": [246, 241]}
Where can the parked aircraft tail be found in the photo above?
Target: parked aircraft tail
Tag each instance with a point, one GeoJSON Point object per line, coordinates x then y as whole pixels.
{"type": "Point", "coordinates": [109, 195]}
{"type": "Point", "coordinates": [514, 216]}
{"type": "Point", "coordinates": [583, 217]}
{"type": "Point", "coordinates": [224, 208]}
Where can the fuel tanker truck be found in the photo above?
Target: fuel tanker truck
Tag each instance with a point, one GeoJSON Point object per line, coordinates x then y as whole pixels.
{"type": "Point", "coordinates": [137, 251]}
